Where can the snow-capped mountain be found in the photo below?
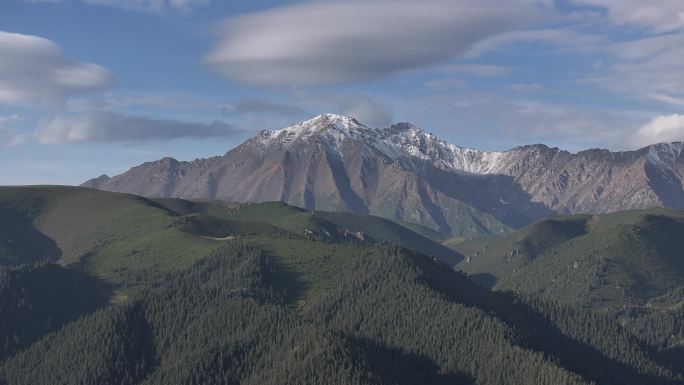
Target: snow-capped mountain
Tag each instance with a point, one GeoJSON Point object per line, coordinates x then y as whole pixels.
{"type": "Point", "coordinates": [398, 141]}
{"type": "Point", "coordinates": [333, 162]}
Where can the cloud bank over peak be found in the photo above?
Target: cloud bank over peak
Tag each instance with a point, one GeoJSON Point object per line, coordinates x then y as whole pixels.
{"type": "Point", "coordinates": [327, 42]}
{"type": "Point", "coordinates": [668, 128]}
{"type": "Point", "coordinates": [32, 70]}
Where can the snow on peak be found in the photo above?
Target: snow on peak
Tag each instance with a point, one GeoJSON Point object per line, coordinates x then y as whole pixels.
{"type": "Point", "coordinates": [332, 126]}
{"type": "Point", "coordinates": [665, 154]}
{"type": "Point", "coordinates": [401, 140]}
{"type": "Point", "coordinates": [405, 139]}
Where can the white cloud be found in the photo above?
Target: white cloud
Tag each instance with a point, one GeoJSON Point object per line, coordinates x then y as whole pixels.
{"type": "Point", "coordinates": [655, 15]}
{"type": "Point", "coordinates": [10, 137]}
{"type": "Point", "coordinates": [322, 42]}
{"type": "Point", "coordinates": [140, 5]}
{"type": "Point", "coordinates": [668, 128]}
{"type": "Point", "coordinates": [113, 127]}
{"type": "Point", "coordinates": [366, 110]}
{"type": "Point", "coordinates": [32, 70]}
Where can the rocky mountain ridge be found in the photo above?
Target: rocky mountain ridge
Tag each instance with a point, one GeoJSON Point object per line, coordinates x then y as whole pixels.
{"type": "Point", "coordinates": [333, 162]}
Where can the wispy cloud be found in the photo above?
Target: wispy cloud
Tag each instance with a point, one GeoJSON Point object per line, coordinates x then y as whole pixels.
{"type": "Point", "coordinates": [536, 120]}
{"type": "Point", "coordinates": [32, 70]}
{"type": "Point", "coordinates": [139, 5]}
{"type": "Point", "coordinates": [262, 106]}
{"type": "Point", "coordinates": [10, 137]}
{"type": "Point", "coordinates": [445, 84]}
{"type": "Point", "coordinates": [323, 42]}
{"type": "Point", "coordinates": [558, 39]}
{"type": "Point", "coordinates": [655, 15]}
{"type": "Point", "coordinates": [649, 68]}
{"type": "Point", "coordinates": [112, 127]}
{"type": "Point", "coordinates": [526, 87]}
{"type": "Point", "coordinates": [481, 70]}
{"type": "Point", "coordinates": [119, 100]}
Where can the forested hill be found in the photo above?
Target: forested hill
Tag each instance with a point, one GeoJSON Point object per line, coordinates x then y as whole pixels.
{"type": "Point", "coordinates": [208, 293]}
{"type": "Point", "coordinates": [388, 317]}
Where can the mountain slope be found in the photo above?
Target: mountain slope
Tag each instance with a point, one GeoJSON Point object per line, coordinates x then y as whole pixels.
{"type": "Point", "coordinates": [335, 163]}
{"type": "Point", "coordinates": [629, 259]}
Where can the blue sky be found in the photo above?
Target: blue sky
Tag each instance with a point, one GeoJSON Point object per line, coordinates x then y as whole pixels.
{"type": "Point", "coordinates": [97, 86]}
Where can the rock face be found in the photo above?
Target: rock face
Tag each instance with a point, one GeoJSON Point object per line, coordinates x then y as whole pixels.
{"type": "Point", "coordinates": [333, 162]}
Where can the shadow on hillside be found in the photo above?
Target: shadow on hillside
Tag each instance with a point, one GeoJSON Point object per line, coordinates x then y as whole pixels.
{"type": "Point", "coordinates": [396, 366]}
{"type": "Point", "coordinates": [37, 300]}
{"type": "Point", "coordinates": [497, 195]}
{"type": "Point", "coordinates": [665, 233]}
{"type": "Point", "coordinates": [22, 242]}
{"type": "Point", "coordinates": [485, 280]}
{"type": "Point", "coordinates": [540, 334]}
{"type": "Point", "coordinates": [285, 281]}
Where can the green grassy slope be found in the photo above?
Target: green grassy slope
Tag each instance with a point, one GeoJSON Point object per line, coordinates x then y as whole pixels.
{"type": "Point", "coordinates": [125, 238]}
{"type": "Point", "coordinates": [337, 227]}
{"type": "Point", "coordinates": [622, 259]}
{"type": "Point", "coordinates": [109, 235]}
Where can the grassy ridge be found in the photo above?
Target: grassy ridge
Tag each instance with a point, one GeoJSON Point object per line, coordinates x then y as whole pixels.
{"type": "Point", "coordinates": [125, 239]}
{"type": "Point", "coordinates": [338, 227]}
{"type": "Point", "coordinates": [113, 236]}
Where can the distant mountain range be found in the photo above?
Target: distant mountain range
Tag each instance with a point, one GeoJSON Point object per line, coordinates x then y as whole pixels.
{"type": "Point", "coordinates": [402, 172]}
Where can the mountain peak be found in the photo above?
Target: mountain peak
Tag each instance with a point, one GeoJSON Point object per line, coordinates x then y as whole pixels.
{"type": "Point", "coordinates": [326, 121]}
{"type": "Point", "coordinates": [329, 118]}
{"type": "Point", "coordinates": [330, 126]}
{"type": "Point", "coordinates": [400, 140]}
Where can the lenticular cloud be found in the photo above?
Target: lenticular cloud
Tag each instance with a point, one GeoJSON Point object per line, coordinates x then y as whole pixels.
{"type": "Point", "coordinates": [33, 70]}
{"type": "Point", "coordinates": [335, 42]}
